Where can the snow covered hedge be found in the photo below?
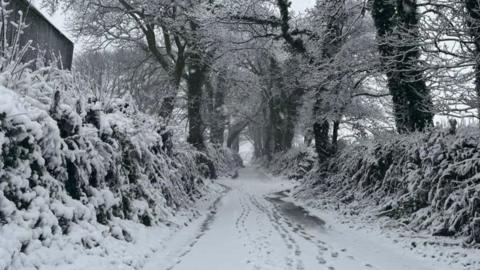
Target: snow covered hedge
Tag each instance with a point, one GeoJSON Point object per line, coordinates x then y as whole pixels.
{"type": "Point", "coordinates": [226, 161]}
{"type": "Point", "coordinates": [428, 181]}
{"type": "Point", "coordinates": [294, 164]}
{"type": "Point", "coordinates": [69, 163]}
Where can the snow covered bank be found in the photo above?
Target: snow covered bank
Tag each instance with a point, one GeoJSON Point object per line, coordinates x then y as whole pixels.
{"type": "Point", "coordinates": [385, 243]}
{"type": "Point", "coordinates": [75, 170]}
{"type": "Point", "coordinates": [428, 182]}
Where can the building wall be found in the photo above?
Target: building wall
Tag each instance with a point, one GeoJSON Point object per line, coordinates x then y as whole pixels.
{"type": "Point", "coordinates": [46, 38]}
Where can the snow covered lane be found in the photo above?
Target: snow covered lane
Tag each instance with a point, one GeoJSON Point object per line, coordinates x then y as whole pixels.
{"type": "Point", "coordinates": [251, 228]}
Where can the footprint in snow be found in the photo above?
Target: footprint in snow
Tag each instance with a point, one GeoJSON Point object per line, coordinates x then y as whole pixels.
{"type": "Point", "coordinates": [321, 260]}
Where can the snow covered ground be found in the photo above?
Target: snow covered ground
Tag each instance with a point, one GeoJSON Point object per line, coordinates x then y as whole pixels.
{"type": "Point", "coordinates": [248, 223]}
{"type": "Point", "coordinates": [356, 230]}
{"type": "Point", "coordinates": [251, 229]}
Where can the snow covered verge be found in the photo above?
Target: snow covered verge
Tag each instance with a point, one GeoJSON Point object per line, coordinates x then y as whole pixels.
{"type": "Point", "coordinates": [77, 172]}
{"type": "Point", "coordinates": [425, 183]}
{"type": "Point", "coordinates": [365, 235]}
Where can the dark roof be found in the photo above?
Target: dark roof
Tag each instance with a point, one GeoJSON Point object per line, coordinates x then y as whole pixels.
{"type": "Point", "coordinates": [34, 9]}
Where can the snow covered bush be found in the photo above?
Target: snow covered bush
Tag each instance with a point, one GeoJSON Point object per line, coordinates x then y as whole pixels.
{"type": "Point", "coordinates": [294, 164]}
{"type": "Point", "coordinates": [226, 160]}
{"type": "Point", "coordinates": [428, 181]}
{"type": "Point", "coordinates": [70, 164]}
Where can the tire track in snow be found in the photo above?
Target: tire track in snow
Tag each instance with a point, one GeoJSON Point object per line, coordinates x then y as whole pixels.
{"type": "Point", "coordinates": [204, 227]}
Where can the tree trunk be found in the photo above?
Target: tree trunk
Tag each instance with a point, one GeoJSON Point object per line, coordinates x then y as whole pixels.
{"type": "Point", "coordinates": [397, 31]}
{"type": "Point", "coordinates": [289, 133]}
{"type": "Point", "coordinates": [176, 71]}
{"type": "Point", "coordinates": [218, 118]}
{"type": "Point", "coordinates": [331, 44]}
{"type": "Point", "coordinates": [208, 105]}
{"type": "Point", "coordinates": [321, 132]}
{"type": "Point", "coordinates": [166, 109]}
{"type": "Point", "coordinates": [283, 107]}
{"type": "Point", "coordinates": [234, 132]}
{"type": "Point", "coordinates": [255, 133]}
{"type": "Point", "coordinates": [283, 113]}
{"type": "Point", "coordinates": [336, 128]}
{"type": "Point", "coordinates": [308, 136]}
{"type": "Point", "coordinates": [322, 143]}
{"type": "Point", "coordinates": [275, 125]}
{"type": "Point", "coordinates": [195, 82]}
{"type": "Point", "coordinates": [268, 143]}
{"type": "Point", "coordinates": [168, 104]}
{"type": "Point", "coordinates": [473, 22]}
{"type": "Point", "coordinates": [293, 103]}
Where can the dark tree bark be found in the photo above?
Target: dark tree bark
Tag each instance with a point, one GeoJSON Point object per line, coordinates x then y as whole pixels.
{"type": "Point", "coordinates": [268, 130]}
{"type": "Point", "coordinates": [284, 116]}
{"type": "Point", "coordinates": [289, 132]}
{"type": "Point", "coordinates": [195, 82]}
{"type": "Point", "coordinates": [218, 115]}
{"type": "Point", "coordinates": [397, 30]}
{"type": "Point", "coordinates": [282, 121]}
{"type": "Point", "coordinates": [168, 104]}
{"type": "Point", "coordinates": [234, 132]}
{"type": "Point", "coordinates": [284, 104]}
{"type": "Point", "coordinates": [331, 44]}
{"type": "Point", "coordinates": [276, 125]}
{"type": "Point", "coordinates": [473, 23]}
{"type": "Point", "coordinates": [296, 44]}
{"type": "Point", "coordinates": [321, 133]}
{"type": "Point", "coordinates": [256, 135]}
{"type": "Point", "coordinates": [322, 144]}
{"type": "Point", "coordinates": [336, 128]}
{"type": "Point", "coordinates": [235, 146]}
{"type": "Point", "coordinates": [277, 108]}
{"type": "Point", "coordinates": [209, 104]}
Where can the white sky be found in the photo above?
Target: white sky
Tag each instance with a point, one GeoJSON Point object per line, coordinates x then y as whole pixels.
{"type": "Point", "coordinates": [301, 5]}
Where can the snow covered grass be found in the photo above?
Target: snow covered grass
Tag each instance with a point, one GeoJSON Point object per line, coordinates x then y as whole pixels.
{"type": "Point", "coordinates": [76, 173]}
